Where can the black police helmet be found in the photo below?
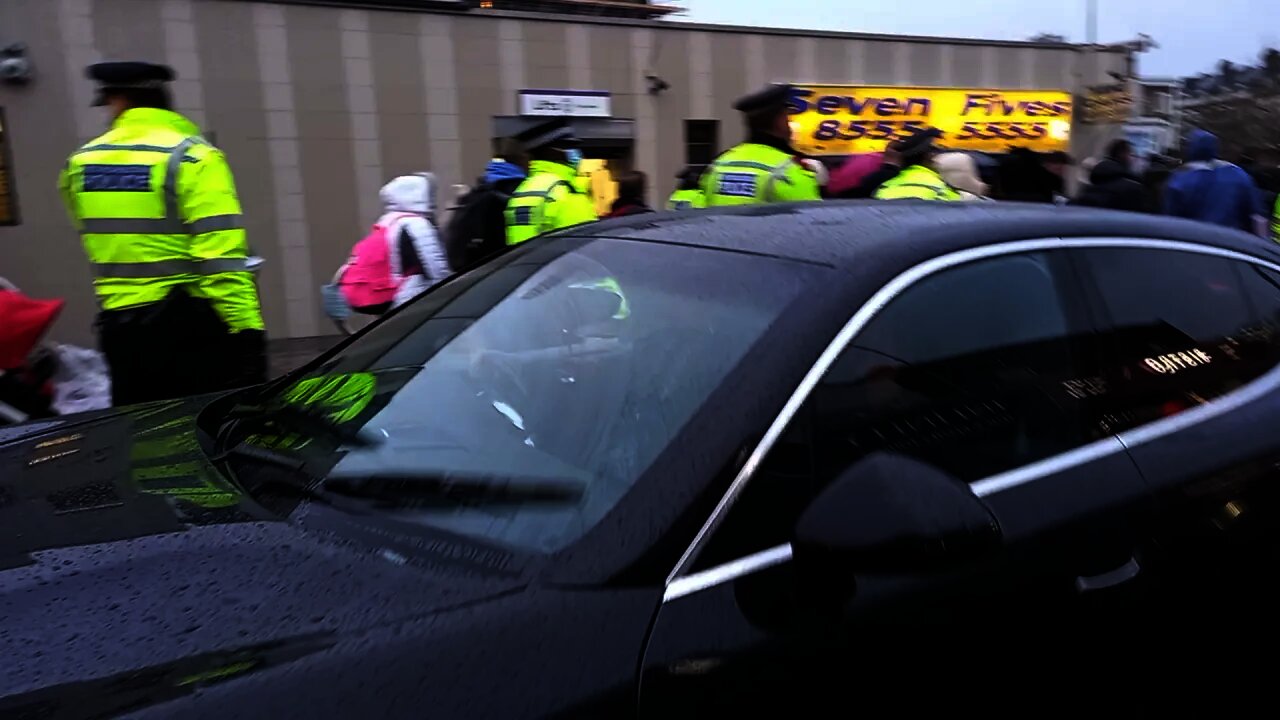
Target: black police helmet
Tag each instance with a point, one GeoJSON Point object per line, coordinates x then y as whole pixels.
{"type": "Point", "coordinates": [918, 145]}
{"type": "Point", "coordinates": [112, 76]}
{"type": "Point", "coordinates": [767, 102]}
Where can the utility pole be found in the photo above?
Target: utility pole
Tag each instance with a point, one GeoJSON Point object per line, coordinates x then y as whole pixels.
{"type": "Point", "coordinates": [1091, 22]}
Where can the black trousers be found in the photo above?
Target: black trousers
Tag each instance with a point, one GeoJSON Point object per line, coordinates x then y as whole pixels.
{"type": "Point", "coordinates": [176, 348]}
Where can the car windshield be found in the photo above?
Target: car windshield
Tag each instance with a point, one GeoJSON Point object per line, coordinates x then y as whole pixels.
{"type": "Point", "coordinates": [574, 361]}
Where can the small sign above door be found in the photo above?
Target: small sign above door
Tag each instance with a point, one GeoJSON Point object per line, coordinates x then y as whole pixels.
{"type": "Point", "coordinates": [565, 103]}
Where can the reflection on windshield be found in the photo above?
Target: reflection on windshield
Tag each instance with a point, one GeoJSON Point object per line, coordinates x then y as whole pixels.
{"type": "Point", "coordinates": [340, 397]}
{"type": "Point", "coordinates": [583, 371]}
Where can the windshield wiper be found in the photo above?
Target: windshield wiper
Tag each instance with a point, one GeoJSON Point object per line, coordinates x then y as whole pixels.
{"type": "Point", "coordinates": [293, 418]}
{"type": "Point", "coordinates": [429, 490]}
{"type": "Point", "coordinates": [407, 490]}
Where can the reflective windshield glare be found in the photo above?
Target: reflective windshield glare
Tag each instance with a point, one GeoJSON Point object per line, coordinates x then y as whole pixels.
{"type": "Point", "coordinates": [583, 371]}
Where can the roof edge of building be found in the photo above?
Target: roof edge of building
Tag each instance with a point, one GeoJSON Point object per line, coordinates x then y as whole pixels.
{"type": "Point", "coordinates": [442, 9]}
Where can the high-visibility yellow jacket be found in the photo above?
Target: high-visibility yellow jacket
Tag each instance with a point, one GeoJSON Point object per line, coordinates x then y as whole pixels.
{"type": "Point", "coordinates": [547, 200]}
{"type": "Point", "coordinates": [686, 199]}
{"type": "Point", "coordinates": [1275, 222]}
{"type": "Point", "coordinates": [753, 174]}
{"type": "Point", "coordinates": [917, 182]}
{"type": "Point", "coordinates": [156, 208]}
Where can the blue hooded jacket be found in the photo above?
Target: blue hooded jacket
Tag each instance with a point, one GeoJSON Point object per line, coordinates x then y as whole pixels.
{"type": "Point", "coordinates": [499, 170]}
{"type": "Point", "coordinates": [1211, 190]}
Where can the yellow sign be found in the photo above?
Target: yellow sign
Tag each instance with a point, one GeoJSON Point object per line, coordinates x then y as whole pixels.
{"type": "Point", "coordinates": [845, 119]}
{"type": "Point", "coordinates": [1107, 104]}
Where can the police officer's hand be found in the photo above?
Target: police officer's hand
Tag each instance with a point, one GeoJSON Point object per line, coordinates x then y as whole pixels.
{"type": "Point", "coordinates": [817, 168]}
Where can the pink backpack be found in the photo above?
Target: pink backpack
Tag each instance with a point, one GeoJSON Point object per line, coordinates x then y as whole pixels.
{"type": "Point", "coordinates": [366, 280]}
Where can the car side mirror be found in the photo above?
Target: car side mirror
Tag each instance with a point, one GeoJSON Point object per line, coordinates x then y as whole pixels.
{"type": "Point", "coordinates": [893, 514]}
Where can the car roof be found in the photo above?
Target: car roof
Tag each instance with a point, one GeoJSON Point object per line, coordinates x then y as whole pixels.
{"type": "Point", "coordinates": [894, 235]}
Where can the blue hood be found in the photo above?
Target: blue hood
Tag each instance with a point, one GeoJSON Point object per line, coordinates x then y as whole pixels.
{"type": "Point", "coordinates": [1212, 191]}
{"type": "Point", "coordinates": [502, 170]}
{"type": "Point", "coordinates": [1203, 146]}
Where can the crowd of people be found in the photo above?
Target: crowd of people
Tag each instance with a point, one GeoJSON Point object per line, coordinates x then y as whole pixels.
{"type": "Point", "coordinates": [160, 221]}
{"type": "Point", "coordinates": [766, 168]}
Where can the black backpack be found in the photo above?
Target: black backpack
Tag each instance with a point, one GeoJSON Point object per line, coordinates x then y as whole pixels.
{"type": "Point", "coordinates": [478, 226]}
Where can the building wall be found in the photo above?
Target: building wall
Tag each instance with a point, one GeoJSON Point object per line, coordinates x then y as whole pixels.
{"type": "Point", "coordinates": [316, 107]}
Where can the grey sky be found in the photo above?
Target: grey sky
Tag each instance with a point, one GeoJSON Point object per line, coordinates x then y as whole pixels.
{"type": "Point", "coordinates": [1193, 34]}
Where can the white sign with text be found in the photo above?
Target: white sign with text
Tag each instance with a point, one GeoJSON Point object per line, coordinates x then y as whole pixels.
{"type": "Point", "coordinates": [565, 103]}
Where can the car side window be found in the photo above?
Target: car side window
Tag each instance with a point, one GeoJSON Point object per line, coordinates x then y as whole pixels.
{"type": "Point", "coordinates": [975, 370]}
{"type": "Point", "coordinates": [1183, 328]}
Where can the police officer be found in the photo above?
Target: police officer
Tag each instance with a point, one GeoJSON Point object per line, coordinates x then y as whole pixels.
{"type": "Point", "coordinates": [158, 215]}
{"type": "Point", "coordinates": [688, 194]}
{"type": "Point", "coordinates": [765, 168]}
{"type": "Point", "coordinates": [549, 198]}
{"type": "Point", "coordinates": [918, 180]}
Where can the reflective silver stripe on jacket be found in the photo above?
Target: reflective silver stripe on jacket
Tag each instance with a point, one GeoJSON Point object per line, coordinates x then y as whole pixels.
{"type": "Point", "coordinates": [139, 148]}
{"type": "Point", "coordinates": [166, 268]}
{"type": "Point", "coordinates": [131, 226]}
{"type": "Point", "coordinates": [546, 193]}
{"type": "Point", "coordinates": [160, 226]}
{"type": "Point", "coordinates": [174, 166]}
{"type": "Point", "coordinates": [745, 164]}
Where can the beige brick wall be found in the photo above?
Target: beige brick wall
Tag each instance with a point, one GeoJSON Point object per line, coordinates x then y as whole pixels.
{"type": "Point", "coordinates": [317, 107]}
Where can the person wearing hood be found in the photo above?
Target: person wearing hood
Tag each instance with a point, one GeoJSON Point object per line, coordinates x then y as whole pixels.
{"type": "Point", "coordinates": [477, 226]}
{"type": "Point", "coordinates": [415, 252]}
{"type": "Point", "coordinates": [1111, 185]}
{"type": "Point", "coordinates": [960, 171]}
{"type": "Point", "coordinates": [507, 169]}
{"type": "Point", "coordinates": [1211, 190]}
{"type": "Point", "coordinates": [918, 179]}
{"type": "Point", "coordinates": [631, 192]}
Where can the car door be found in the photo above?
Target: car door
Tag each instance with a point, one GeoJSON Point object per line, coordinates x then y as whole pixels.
{"type": "Point", "coordinates": [987, 368]}
{"type": "Point", "coordinates": [1195, 338]}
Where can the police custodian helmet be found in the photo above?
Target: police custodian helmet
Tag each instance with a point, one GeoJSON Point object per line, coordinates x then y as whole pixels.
{"type": "Point", "coordinates": [917, 144]}
{"type": "Point", "coordinates": [763, 103]}
{"type": "Point", "coordinates": [126, 75]}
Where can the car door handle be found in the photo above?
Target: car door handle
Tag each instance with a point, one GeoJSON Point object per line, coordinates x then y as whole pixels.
{"type": "Point", "coordinates": [1109, 579]}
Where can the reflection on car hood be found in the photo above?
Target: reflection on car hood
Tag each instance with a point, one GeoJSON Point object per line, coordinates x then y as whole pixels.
{"type": "Point", "coordinates": [126, 555]}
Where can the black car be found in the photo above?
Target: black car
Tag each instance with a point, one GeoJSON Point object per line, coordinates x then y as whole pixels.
{"type": "Point", "coordinates": [705, 464]}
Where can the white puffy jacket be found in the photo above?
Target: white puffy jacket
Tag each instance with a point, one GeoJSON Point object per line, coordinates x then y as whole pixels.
{"type": "Point", "coordinates": [413, 194]}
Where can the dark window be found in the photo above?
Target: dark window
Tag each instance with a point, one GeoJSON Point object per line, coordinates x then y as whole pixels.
{"type": "Point", "coordinates": [1183, 328]}
{"type": "Point", "coordinates": [976, 370]}
{"type": "Point", "coordinates": [700, 140]}
{"type": "Point", "coordinates": [8, 197]}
